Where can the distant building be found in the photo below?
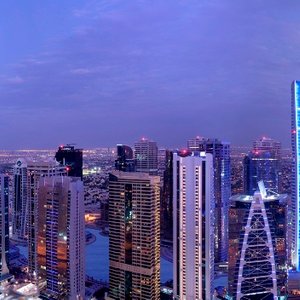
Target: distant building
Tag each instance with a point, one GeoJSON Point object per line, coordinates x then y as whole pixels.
{"type": "Point", "coordinates": [20, 201]}
{"type": "Point", "coordinates": [262, 163]}
{"type": "Point", "coordinates": [134, 236]}
{"type": "Point", "coordinates": [193, 144]}
{"type": "Point", "coordinates": [258, 246]}
{"type": "Point", "coordinates": [125, 161]}
{"type": "Point", "coordinates": [146, 156]}
{"type": "Point", "coordinates": [267, 144]}
{"type": "Point", "coordinates": [61, 237]}
{"type": "Point", "coordinates": [193, 226]}
{"type": "Point", "coordinates": [4, 229]}
{"type": "Point", "coordinates": [71, 158]}
{"type": "Point", "coordinates": [35, 171]}
{"type": "Point", "coordinates": [222, 189]}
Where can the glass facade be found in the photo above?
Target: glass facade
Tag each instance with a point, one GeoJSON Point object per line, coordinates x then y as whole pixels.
{"type": "Point", "coordinates": [295, 247]}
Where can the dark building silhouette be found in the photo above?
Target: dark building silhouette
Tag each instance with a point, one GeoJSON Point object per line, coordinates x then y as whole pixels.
{"type": "Point", "coordinates": [4, 229]}
{"type": "Point", "coordinates": [71, 158]}
{"type": "Point", "coordinates": [167, 198]}
{"type": "Point", "coordinates": [125, 161]}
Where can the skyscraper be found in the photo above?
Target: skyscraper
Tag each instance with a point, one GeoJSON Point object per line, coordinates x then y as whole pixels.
{"type": "Point", "coordinates": [222, 189]}
{"type": "Point", "coordinates": [4, 229]}
{"type": "Point", "coordinates": [20, 201]}
{"type": "Point", "coordinates": [258, 246]}
{"type": "Point", "coordinates": [146, 154]}
{"type": "Point", "coordinates": [125, 161]}
{"type": "Point", "coordinates": [35, 171]}
{"type": "Point", "coordinates": [193, 226]}
{"type": "Point", "coordinates": [71, 158]}
{"type": "Point", "coordinates": [296, 174]}
{"type": "Point", "coordinates": [267, 144]}
{"type": "Point", "coordinates": [61, 237]}
{"type": "Point", "coordinates": [262, 163]}
{"type": "Point", "coordinates": [134, 236]}
{"type": "Point", "coordinates": [167, 197]}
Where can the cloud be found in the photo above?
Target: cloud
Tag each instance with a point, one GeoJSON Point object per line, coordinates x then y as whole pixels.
{"type": "Point", "coordinates": [15, 80]}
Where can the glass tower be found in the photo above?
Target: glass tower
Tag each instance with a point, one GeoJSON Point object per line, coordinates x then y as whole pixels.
{"type": "Point", "coordinates": [134, 236]}
{"type": "Point", "coordinates": [222, 189]}
{"type": "Point", "coordinates": [262, 163]}
{"type": "Point", "coordinates": [146, 156]}
{"type": "Point", "coordinates": [295, 247]}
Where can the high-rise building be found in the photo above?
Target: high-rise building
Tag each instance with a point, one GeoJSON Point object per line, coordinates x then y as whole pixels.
{"type": "Point", "coordinates": [61, 237]}
{"type": "Point", "coordinates": [146, 156]}
{"type": "Point", "coordinates": [4, 229]}
{"type": "Point", "coordinates": [222, 189]}
{"type": "Point", "coordinates": [36, 170]}
{"type": "Point", "coordinates": [193, 226]}
{"type": "Point", "coordinates": [295, 223]}
{"type": "Point", "coordinates": [134, 236]}
{"type": "Point", "coordinates": [258, 246]}
{"type": "Point", "coordinates": [262, 163]}
{"type": "Point", "coordinates": [267, 144]}
{"type": "Point", "coordinates": [167, 198]}
{"type": "Point", "coordinates": [71, 158]}
{"type": "Point", "coordinates": [125, 161]}
{"type": "Point", "coordinates": [193, 144]}
{"type": "Point", "coordinates": [20, 201]}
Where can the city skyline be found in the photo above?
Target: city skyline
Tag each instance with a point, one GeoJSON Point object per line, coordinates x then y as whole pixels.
{"type": "Point", "coordinates": [91, 61]}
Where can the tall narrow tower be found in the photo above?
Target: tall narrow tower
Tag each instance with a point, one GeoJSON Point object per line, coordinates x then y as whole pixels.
{"type": "Point", "coordinates": [193, 226]}
{"type": "Point", "coordinates": [295, 247]}
{"type": "Point", "coordinates": [134, 236]}
{"type": "Point", "coordinates": [35, 171]}
{"type": "Point", "coordinates": [20, 201]}
{"type": "Point", "coordinates": [4, 231]}
{"type": "Point", "coordinates": [61, 237]}
{"type": "Point", "coordinates": [222, 189]}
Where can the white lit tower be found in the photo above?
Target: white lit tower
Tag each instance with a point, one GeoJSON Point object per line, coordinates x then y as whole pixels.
{"type": "Point", "coordinates": [193, 225]}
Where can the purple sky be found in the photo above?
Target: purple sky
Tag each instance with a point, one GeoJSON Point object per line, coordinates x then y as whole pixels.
{"type": "Point", "coordinates": [102, 72]}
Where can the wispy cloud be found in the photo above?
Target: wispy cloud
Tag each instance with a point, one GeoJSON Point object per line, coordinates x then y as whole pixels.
{"type": "Point", "coordinates": [198, 63]}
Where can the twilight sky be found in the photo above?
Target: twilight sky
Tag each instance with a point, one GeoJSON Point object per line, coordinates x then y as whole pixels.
{"type": "Point", "coordinates": [101, 72]}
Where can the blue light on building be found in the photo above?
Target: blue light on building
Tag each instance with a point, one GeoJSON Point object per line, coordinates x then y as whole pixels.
{"type": "Point", "coordinates": [296, 173]}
